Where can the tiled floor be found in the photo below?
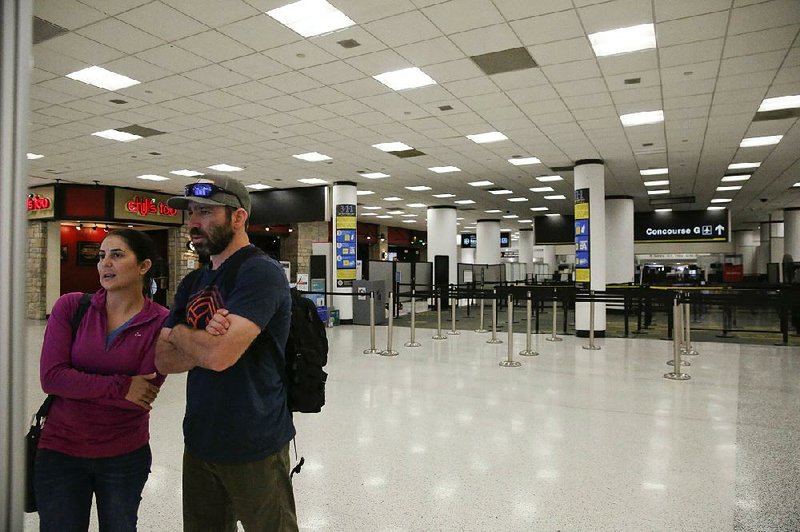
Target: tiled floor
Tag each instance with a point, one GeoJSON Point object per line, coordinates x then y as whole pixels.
{"type": "Point", "coordinates": [443, 438]}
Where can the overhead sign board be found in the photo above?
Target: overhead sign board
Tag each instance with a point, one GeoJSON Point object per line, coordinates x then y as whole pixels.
{"type": "Point", "coordinates": [470, 240]}
{"type": "Point", "coordinates": [681, 226]}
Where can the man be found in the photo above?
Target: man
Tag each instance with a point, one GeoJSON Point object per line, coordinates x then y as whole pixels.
{"type": "Point", "coordinates": [237, 427]}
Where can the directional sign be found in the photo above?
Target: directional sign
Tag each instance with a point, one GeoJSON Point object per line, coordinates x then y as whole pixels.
{"type": "Point", "coordinates": [681, 226]}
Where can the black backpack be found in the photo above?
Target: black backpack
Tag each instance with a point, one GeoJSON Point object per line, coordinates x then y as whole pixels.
{"type": "Point", "coordinates": [306, 351]}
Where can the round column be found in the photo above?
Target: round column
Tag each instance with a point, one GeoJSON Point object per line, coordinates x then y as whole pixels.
{"type": "Point", "coordinates": [488, 248]}
{"type": "Point", "coordinates": [791, 236]}
{"type": "Point", "coordinates": [619, 231]}
{"type": "Point", "coordinates": [746, 244]}
{"type": "Point", "coordinates": [590, 190]}
{"type": "Point", "coordinates": [763, 252]}
{"type": "Point", "coordinates": [344, 246]}
{"type": "Point", "coordinates": [442, 233]}
{"type": "Point", "coordinates": [526, 249]}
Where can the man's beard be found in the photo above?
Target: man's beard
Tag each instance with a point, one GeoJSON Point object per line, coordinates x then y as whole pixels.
{"type": "Point", "coordinates": [216, 240]}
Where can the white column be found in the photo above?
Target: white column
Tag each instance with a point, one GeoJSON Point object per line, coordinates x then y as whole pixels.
{"type": "Point", "coordinates": [776, 237]}
{"type": "Point", "coordinates": [16, 23]}
{"type": "Point", "coordinates": [746, 244]}
{"type": "Point", "coordinates": [53, 283]}
{"type": "Point", "coordinates": [590, 174]}
{"type": "Point", "coordinates": [549, 257]}
{"type": "Point", "coordinates": [344, 193]}
{"type": "Point", "coordinates": [763, 248]}
{"type": "Point", "coordinates": [619, 232]}
{"type": "Point", "coordinates": [442, 233]}
{"type": "Point", "coordinates": [526, 249]}
{"type": "Point", "coordinates": [791, 232]}
{"type": "Point", "coordinates": [488, 249]}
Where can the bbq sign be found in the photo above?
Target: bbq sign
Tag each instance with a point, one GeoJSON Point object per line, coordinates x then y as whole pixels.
{"type": "Point", "coordinates": [681, 226]}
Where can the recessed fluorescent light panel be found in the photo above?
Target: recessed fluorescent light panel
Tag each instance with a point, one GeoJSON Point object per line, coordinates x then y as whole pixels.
{"type": "Point", "coordinates": [464, 202]}
{"type": "Point", "coordinates": [552, 214]}
{"type": "Point", "coordinates": [259, 186]}
{"type": "Point", "coordinates": [480, 183]}
{"type": "Point", "coordinates": [659, 183]}
{"type": "Point", "coordinates": [372, 208]}
{"type": "Point", "coordinates": [396, 212]}
{"type": "Point", "coordinates": [410, 215]}
{"type": "Point", "coordinates": [383, 216]}
{"type": "Point", "coordinates": [796, 184]}
{"type": "Point", "coordinates": [392, 146]}
{"type": "Point", "coordinates": [510, 216]}
{"type": "Point", "coordinates": [186, 173]}
{"type": "Point", "coordinates": [312, 157]}
{"type": "Point", "coordinates": [721, 200]}
{"type": "Point", "coordinates": [643, 118]}
{"type": "Point", "coordinates": [732, 187]}
{"type": "Point", "coordinates": [444, 169]}
{"type": "Point", "coordinates": [715, 208]}
{"type": "Point", "coordinates": [654, 171]}
{"type": "Point", "coordinates": [780, 102]}
{"type": "Point", "coordinates": [743, 166]}
{"type": "Point", "coordinates": [657, 192]}
{"type": "Point", "coordinates": [623, 40]}
{"type": "Point", "coordinates": [313, 181]}
{"type": "Point", "coordinates": [760, 141]}
{"type": "Point", "coordinates": [444, 195]}
{"type": "Point", "coordinates": [517, 200]}
{"type": "Point", "coordinates": [541, 189]}
{"type": "Point", "coordinates": [416, 205]}
{"type": "Point", "coordinates": [493, 211]}
{"type": "Point", "coordinates": [113, 134]}
{"type": "Point", "coordinates": [311, 17]}
{"type": "Point", "coordinates": [524, 222]}
{"type": "Point", "coordinates": [548, 178]}
{"type": "Point", "coordinates": [522, 161]}
{"type": "Point", "coordinates": [418, 188]}
{"type": "Point", "coordinates": [735, 178]}
{"type": "Point", "coordinates": [392, 198]}
{"type": "Point", "coordinates": [222, 167]}
{"type": "Point", "coordinates": [368, 214]}
{"type": "Point", "coordinates": [485, 138]}
{"type": "Point", "coordinates": [663, 210]}
{"type": "Point", "coordinates": [152, 177]}
{"type": "Point", "coordinates": [555, 197]}
{"type": "Point", "coordinates": [409, 221]}
{"type": "Point", "coordinates": [364, 193]}
{"type": "Point", "coordinates": [501, 192]}
{"type": "Point", "coordinates": [537, 209]}
{"type": "Point", "coordinates": [407, 78]}
{"type": "Point", "coordinates": [32, 156]}
{"type": "Point", "coordinates": [102, 78]}
{"type": "Point", "coordinates": [374, 175]}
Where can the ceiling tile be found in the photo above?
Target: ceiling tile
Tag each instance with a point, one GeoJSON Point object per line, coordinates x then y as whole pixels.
{"type": "Point", "coordinates": [574, 71]}
{"type": "Point", "coordinates": [690, 53]}
{"type": "Point", "coordinates": [549, 28]}
{"type": "Point", "coordinates": [260, 32]}
{"type": "Point", "coordinates": [692, 29]}
{"type": "Point", "coordinates": [461, 15]}
{"type": "Point", "coordinates": [629, 63]}
{"type": "Point", "coordinates": [173, 58]}
{"type": "Point", "coordinates": [562, 51]}
{"type": "Point", "coordinates": [432, 51]}
{"type": "Point", "coordinates": [763, 16]}
{"type": "Point", "coordinates": [461, 69]}
{"type": "Point", "coordinates": [615, 14]}
{"type": "Point", "coordinates": [486, 40]}
{"type": "Point", "coordinates": [214, 13]}
{"type": "Point", "coordinates": [403, 29]}
{"type": "Point", "coordinates": [379, 62]}
{"type": "Point", "coordinates": [760, 41]}
{"type": "Point", "coordinates": [332, 73]}
{"type": "Point", "coordinates": [673, 9]}
{"type": "Point", "coordinates": [517, 9]}
{"type": "Point", "coordinates": [517, 79]}
{"type": "Point", "coordinates": [75, 46]}
{"type": "Point", "coordinates": [117, 34]}
{"type": "Point", "coordinates": [362, 12]}
{"type": "Point", "coordinates": [255, 66]}
{"type": "Point", "coordinates": [162, 21]}
{"type": "Point", "coordinates": [68, 14]}
{"type": "Point", "coordinates": [214, 46]}
{"type": "Point", "coordinates": [216, 76]}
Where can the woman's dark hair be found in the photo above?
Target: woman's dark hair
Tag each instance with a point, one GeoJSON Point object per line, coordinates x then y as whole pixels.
{"type": "Point", "coordinates": [144, 248]}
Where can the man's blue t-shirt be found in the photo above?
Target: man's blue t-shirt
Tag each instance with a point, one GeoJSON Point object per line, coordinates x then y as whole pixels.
{"type": "Point", "coordinates": [239, 414]}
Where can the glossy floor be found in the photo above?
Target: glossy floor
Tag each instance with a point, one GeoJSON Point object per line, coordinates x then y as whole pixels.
{"type": "Point", "coordinates": [441, 437]}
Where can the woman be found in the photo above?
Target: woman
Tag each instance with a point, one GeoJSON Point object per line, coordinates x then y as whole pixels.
{"type": "Point", "coordinates": [95, 440]}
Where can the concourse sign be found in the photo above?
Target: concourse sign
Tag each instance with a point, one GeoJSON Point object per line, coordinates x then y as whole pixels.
{"type": "Point", "coordinates": [681, 226]}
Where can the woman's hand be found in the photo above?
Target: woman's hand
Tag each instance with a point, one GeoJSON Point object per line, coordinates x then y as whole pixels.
{"type": "Point", "coordinates": [141, 392]}
{"type": "Point", "coordinates": [218, 324]}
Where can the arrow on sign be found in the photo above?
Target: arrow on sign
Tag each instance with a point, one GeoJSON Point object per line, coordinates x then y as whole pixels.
{"type": "Point", "coordinates": [719, 229]}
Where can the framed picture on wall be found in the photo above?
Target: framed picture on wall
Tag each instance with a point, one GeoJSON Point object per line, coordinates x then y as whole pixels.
{"type": "Point", "coordinates": [87, 253]}
{"type": "Point", "coordinates": [64, 253]}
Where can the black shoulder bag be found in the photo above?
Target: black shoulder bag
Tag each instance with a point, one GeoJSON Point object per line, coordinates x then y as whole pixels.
{"type": "Point", "coordinates": [37, 423]}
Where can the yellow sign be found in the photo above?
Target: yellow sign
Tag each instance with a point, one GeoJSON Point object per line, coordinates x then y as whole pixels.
{"type": "Point", "coordinates": [582, 275]}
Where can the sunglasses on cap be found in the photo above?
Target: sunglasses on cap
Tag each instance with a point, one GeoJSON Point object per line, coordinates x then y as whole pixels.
{"type": "Point", "coordinates": [206, 190]}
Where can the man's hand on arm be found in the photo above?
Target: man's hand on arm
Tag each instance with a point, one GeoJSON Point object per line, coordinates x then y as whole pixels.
{"type": "Point", "coordinates": [168, 358]}
{"type": "Point", "coordinates": [215, 350]}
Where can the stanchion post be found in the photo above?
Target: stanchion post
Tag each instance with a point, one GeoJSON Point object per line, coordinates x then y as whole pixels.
{"type": "Point", "coordinates": [494, 339]}
{"type": "Point", "coordinates": [372, 349]}
{"type": "Point", "coordinates": [553, 337]}
{"type": "Point", "coordinates": [439, 335]}
{"type": "Point", "coordinates": [453, 302]}
{"type": "Point", "coordinates": [687, 328]}
{"type": "Point", "coordinates": [389, 352]}
{"type": "Point", "coordinates": [528, 351]}
{"type": "Point", "coordinates": [676, 373]}
{"type": "Point", "coordinates": [481, 329]}
{"type": "Point", "coordinates": [591, 346]}
{"type": "Point", "coordinates": [412, 342]}
{"type": "Point", "coordinates": [509, 362]}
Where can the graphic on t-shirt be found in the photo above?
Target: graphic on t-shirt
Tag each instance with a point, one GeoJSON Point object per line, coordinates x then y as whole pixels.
{"type": "Point", "coordinates": [202, 307]}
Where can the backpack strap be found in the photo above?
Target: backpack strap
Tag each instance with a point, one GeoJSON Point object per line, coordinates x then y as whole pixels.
{"type": "Point", "coordinates": [233, 263]}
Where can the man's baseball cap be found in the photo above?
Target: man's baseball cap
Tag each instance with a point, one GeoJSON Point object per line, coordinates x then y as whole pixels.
{"type": "Point", "coordinates": [213, 190]}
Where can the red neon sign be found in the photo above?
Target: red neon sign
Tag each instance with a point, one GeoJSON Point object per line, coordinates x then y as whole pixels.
{"type": "Point", "coordinates": [37, 202]}
{"type": "Point", "coordinates": [148, 206]}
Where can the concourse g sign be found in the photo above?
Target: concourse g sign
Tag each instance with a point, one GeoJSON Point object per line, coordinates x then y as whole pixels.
{"type": "Point", "coordinates": [681, 226]}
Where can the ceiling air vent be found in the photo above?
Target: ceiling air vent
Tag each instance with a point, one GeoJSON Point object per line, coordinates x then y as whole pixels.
{"type": "Point", "coordinates": [44, 30]}
{"type": "Point", "coordinates": [633, 81]}
{"type": "Point", "coordinates": [142, 131]}
{"type": "Point", "coordinates": [671, 200]}
{"type": "Point", "coordinates": [505, 61]}
{"type": "Point", "coordinates": [558, 169]}
{"type": "Point", "coordinates": [779, 114]}
{"type": "Point", "coordinates": [445, 107]}
{"type": "Point", "coordinates": [405, 154]}
{"type": "Point", "coordinates": [349, 43]}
